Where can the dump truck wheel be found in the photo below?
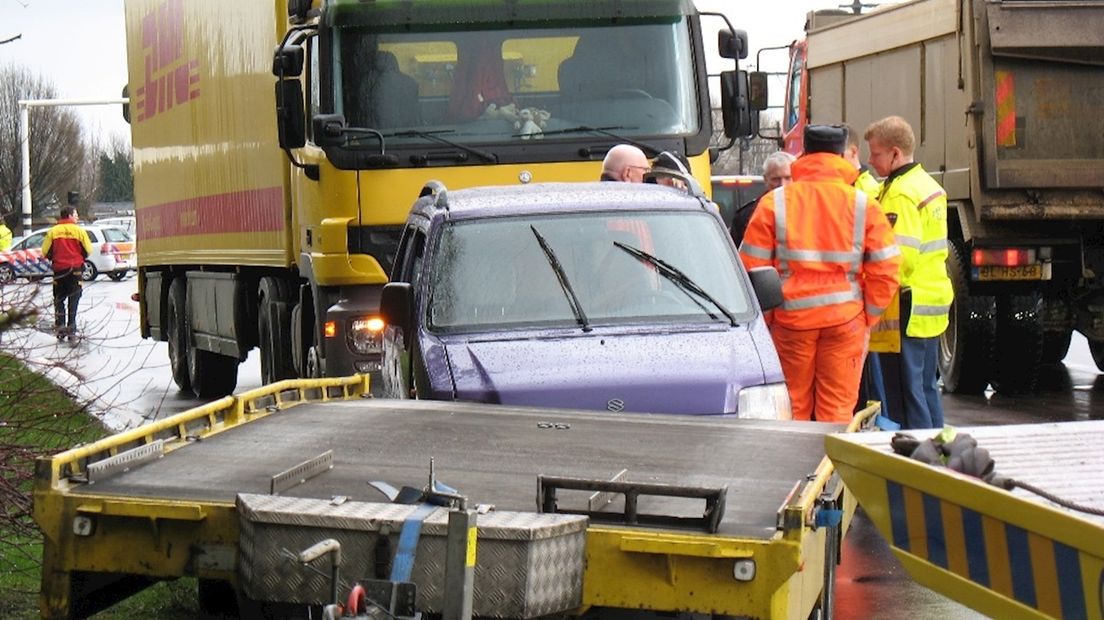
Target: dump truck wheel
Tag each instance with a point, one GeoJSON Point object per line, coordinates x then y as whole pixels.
{"type": "Point", "coordinates": [175, 332]}
{"type": "Point", "coordinates": [1056, 345]}
{"type": "Point", "coordinates": [1018, 350]}
{"type": "Point", "coordinates": [273, 331]}
{"type": "Point", "coordinates": [1096, 347]}
{"type": "Point", "coordinates": [965, 347]}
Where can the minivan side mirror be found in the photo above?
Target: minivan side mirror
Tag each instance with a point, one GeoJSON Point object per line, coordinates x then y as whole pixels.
{"type": "Point", "coordinates": [397, 304]}
{"type": "Point", "coordinates": [768, 287]}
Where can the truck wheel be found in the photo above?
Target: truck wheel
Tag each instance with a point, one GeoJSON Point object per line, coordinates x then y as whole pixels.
{"type": "Point", "coordinates": [175, 332]}
{"type": "Point", "coordinates": [965, 347]}
{"type": "Point", "coordinates": [1096, 347]}
{"type": "Point", "coordinates": [273, 331]}
{"type": "Point", "coordinates": [1056, 345]}
{"type": "Point", "coordinates": [212, 375]}
{"type": "Point", "coordinates": [1019, 345]}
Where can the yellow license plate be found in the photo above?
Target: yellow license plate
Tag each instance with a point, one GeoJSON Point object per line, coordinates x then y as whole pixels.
{"type": "Point", "coordinates": [1021, 272]}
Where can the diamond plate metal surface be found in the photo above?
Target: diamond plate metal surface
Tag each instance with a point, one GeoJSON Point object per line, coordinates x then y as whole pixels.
{"type": "Point", "coordinates": [527, 564]}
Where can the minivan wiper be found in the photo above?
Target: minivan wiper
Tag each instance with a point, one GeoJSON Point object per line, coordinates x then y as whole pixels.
{"type": "Point", "coordinates": [681, 280]}
{"type": "Point", "coordinates": [432, 136]}
{"type": "Point", "coordinates": [604, 131]}
{"type": "Point", "coordinates": [572, 298]}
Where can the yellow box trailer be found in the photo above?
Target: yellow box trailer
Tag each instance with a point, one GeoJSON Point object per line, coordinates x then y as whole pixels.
{"type": "Point", "coordinates": [279, 145]}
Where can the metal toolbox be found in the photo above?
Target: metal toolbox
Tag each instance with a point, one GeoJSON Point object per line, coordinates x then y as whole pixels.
{"type": "Point", "coordinates": [527, 564]}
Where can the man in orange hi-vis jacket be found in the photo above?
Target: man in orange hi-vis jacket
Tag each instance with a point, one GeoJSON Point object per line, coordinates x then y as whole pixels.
{"type": "Point", "coordinates": [835, 252]}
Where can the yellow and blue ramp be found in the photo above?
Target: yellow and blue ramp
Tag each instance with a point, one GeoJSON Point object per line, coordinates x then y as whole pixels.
{"type": "Point", "coordinates": [1006, 554]}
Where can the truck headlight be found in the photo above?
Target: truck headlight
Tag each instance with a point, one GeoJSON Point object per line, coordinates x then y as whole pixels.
{"type": "Point", "coordinates": [765, 402]}
{"type": "Point", "coordinates": [366, 335]}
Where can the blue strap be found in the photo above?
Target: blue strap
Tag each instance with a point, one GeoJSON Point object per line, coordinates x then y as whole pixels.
{"type": "Point", "coordinates": [885, 424]}
{"type": "Point", "coordinates": [403, 565]}
{"type": "Point", "coordinates": [829, 518]}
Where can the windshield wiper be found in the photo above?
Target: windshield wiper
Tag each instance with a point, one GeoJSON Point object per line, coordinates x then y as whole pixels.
{"type": "Point", "coordinates": [572, 298]}
{"type": "Point", "coordinates": [432, 135]}
{"type": "Point", "coordinates": [681, 280]}
{"type": "Point", "coordinates": [604, 131]}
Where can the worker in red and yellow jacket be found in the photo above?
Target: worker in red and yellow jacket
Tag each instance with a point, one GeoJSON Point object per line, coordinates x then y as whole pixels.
{"type": "Point", "coordinates": [67, 246]}
{"type": "Point", "coordinates": [835, 252]}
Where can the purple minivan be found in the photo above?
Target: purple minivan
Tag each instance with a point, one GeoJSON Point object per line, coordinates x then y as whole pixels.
{"type": "Point", "coordinates": [602, 296]}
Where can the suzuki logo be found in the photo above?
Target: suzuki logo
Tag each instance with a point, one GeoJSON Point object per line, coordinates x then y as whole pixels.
{"type": "Point", "coordinates": [615, 405]}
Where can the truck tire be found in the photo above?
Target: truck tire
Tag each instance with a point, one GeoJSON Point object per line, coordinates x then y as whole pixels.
{"type": "Point", "coordinates": [965, 347]}
{"type": "Point", "coordinates": [1096, 347]}
{"type": "Point", "coordinates": [1018, 351]}
{"type": "Point", "coordinates": [274, 330]}
{"type": "Point", "coordinates": [212, 375]}
{"type": "Point", "coordinates": [1056, 345]}
{"type": "Point", "coordinates": [175, 332]}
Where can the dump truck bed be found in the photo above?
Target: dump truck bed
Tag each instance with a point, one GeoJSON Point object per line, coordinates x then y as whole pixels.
{"type": "Point", "coordinates": [491, 455]}
{"type": "Point", "coordinates": [1005, 553]}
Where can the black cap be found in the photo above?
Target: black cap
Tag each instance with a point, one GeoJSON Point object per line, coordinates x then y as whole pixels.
{"type": "Point", "coordinates": [669, 160]}
{"type": "Point", "coordinates": [825, 139]}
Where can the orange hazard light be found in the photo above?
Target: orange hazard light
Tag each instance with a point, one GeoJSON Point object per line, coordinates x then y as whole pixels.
{"type": "Point", "coordinates": [330, 329]}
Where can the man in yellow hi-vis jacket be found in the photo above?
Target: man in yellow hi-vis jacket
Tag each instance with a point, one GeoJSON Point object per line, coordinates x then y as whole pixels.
{"type": "Point", "coordinates": [917, 207]}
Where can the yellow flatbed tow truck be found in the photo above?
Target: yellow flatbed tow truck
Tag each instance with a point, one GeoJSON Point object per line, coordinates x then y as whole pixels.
{"type": "Point", "coordinates": [228, 492]}
{"type": "Point", "coordinates": [1005, 553]}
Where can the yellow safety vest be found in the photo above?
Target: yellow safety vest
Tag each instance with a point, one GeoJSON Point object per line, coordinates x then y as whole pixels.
{"type": "Point", "coordinates": [917, 206]}
{"type": "Point", "coordinates": [885, 336]}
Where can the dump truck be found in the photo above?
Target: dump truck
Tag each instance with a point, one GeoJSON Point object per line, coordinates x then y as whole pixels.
{"type": "Point", "coordinates": [578, 511]}
{"type": "Point", "coordinates": [1003, 98]}
{"type": "Point", "coordinates": [271, 186]}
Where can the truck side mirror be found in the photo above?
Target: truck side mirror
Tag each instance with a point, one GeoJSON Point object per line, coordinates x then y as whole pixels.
{"type": "Point", "coordinates": [732, 44]}
{"type": "Point", "coordinates": [757, 90]}
{"type": "Point", "coordinates": [735, 108]}
{"type": "Point", "coordinates": [290, 122]}
{"type": "Point", "coordinates": [329, 129]}
{"type": "Point", "coordinates": [397, 304]}
{"type": "Point", "coordinates": [287, 61]}
{"type": "Point", "coordinates": [768, 287]}
{"type": "Point", "coordinates": [126, 106]}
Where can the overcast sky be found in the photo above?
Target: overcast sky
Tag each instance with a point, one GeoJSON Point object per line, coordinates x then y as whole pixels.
{"type": "Point", "coordinates": [80, 45]}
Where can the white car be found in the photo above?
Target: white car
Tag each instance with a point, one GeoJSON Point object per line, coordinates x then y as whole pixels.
{"type": "Point", "coordinates": [128, 224]}
{"type": "Point", "coordinates": [112, 253]}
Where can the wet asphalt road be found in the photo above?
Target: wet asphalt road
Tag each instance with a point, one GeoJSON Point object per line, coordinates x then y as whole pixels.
{"type": "Point", "coordinates": [129, 379]}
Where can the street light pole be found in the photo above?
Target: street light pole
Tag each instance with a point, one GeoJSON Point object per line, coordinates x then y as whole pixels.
{"type": "Point", "coordinates": [25, 139]}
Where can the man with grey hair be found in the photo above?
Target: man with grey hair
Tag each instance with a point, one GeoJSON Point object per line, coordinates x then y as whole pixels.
{"type": "Point", "coordinates": [776, 173]}
{"type": "Point", "coordinates": [625, 163]}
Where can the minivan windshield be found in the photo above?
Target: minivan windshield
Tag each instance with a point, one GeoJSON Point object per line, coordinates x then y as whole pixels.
{"type": "Point", "coordinates": [494, 273]}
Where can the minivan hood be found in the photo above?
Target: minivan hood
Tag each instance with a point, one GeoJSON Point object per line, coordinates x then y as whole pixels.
{"type": "Point", "coordinates": [693, 372]}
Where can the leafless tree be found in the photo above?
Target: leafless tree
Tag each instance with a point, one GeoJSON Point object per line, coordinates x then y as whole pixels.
{"type": "Point", "coordinates": [747, 155]}
{"type": "Point", "coordinates": [58, 151]}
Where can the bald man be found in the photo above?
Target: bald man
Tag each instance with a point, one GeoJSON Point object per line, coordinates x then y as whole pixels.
{"type": "Point", "coordinates": [625, 163]}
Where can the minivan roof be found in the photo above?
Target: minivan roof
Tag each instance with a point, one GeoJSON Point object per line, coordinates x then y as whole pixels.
{"type": "Point", "coordinates": [543, 198]}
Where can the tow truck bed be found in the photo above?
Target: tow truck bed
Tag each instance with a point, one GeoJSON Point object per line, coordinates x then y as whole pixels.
{"type": "Point", "coordinates": [1005, 553]}
{"type": "Point", "coordinates": [115, 517]}
{"type": "Point", "coordinates": [491, 455]}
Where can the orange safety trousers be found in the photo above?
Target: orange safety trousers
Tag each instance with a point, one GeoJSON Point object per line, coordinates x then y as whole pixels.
{"type": "Point", "coordinates": [823, 368]}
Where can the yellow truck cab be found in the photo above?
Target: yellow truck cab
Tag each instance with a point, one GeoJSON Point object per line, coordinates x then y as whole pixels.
{"type": "Point", "coordinates": [271, 188]}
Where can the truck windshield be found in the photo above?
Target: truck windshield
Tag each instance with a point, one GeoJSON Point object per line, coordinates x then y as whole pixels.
{"type": "Point", "coordinates": [492, 273]}
{"type": "Point", "coordinates": [503, 86]}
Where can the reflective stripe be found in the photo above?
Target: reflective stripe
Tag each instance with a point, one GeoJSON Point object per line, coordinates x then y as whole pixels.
{"type": "Point", "coordinates": [860, 229]}
{"type": "Point", "coordinates": [924, 202]}
{"type": "Point", "coordinates": [874, 310]}
{"type": "Point", "coordinates": [780, 229]}
{"type": "Point", "coordinates": [918, 310]}
{"type": "Point", "coordinates": [885, 253]}
{"type": "Point", "coordinates": [888, 325]}
{"type": "Point", "coordinates": [932, 246]}
{"type": "Point", "coordinates": [819, 256]}
{"type": "Point", "coordinates": [908, 242]}
{"type": "Point", "coordinates": [757, 251]}
{"type": "Point", "coordinates": [828, 299]}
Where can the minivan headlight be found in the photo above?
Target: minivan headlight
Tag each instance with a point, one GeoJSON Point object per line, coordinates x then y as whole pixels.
{"type": "Point", "coordinates": [765, 402]}
{"type": "Point", "coordinates": [366, 335]}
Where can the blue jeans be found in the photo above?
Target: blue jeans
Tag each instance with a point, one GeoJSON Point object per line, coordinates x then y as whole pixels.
{"type": "Point", "coordinates": [872, 386]}
{"type": "Point", "coordinates": [912, 393]}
